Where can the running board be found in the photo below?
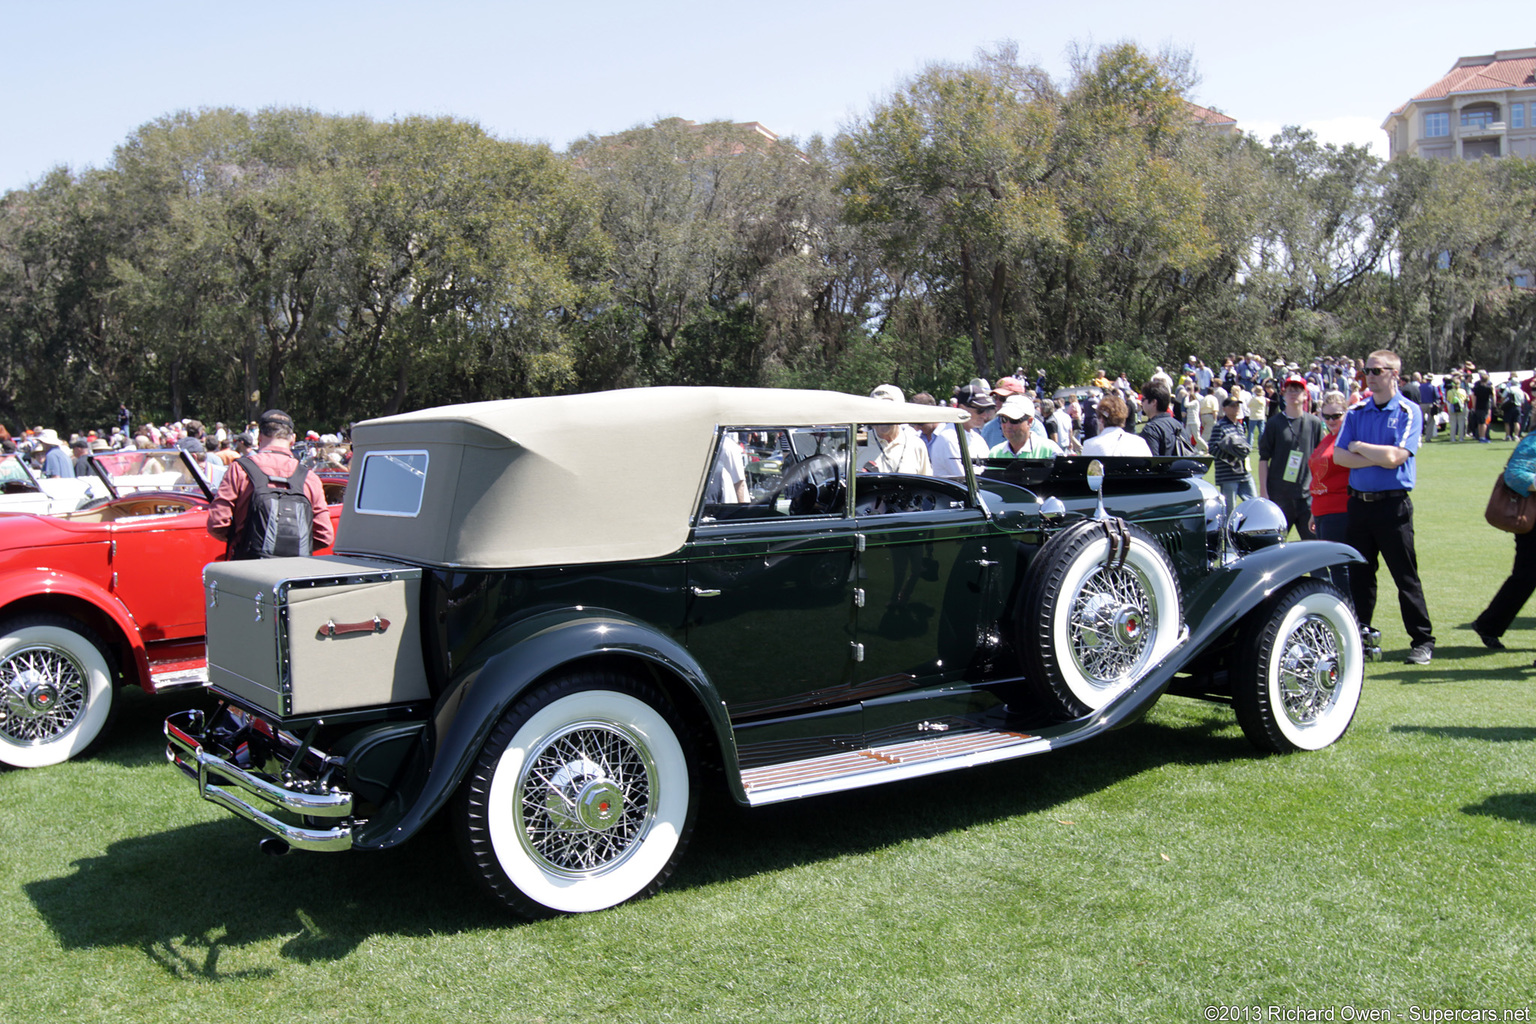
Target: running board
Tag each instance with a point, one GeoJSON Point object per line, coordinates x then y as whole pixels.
{"type": "Point", "coordinates": [874, 766]}
{"type": "Point", "coordinates": [178, 676]}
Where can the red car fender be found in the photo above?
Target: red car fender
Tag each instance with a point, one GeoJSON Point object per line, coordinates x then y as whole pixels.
{"type": "Point", "coordinates": [35, 586]}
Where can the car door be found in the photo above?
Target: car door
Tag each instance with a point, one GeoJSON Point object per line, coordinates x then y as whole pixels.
{"type": "Point", "coordinates": [923, 569]}
{"type": "Point", "coordinates": [770, 613]}
{"type": "Point", "coordinates": [157, 571]}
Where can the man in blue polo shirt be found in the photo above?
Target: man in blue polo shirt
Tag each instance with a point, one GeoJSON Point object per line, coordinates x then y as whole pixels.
{"type": "Point", "coordinates": [1377, 444]}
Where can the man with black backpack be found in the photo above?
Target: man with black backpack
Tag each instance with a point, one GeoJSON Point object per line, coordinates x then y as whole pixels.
{"type": "Point", "coordinates": [267, 505]}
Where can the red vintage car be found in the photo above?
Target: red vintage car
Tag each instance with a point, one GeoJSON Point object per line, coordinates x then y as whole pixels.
{"type": "Point", "coordinates": [104, 596]}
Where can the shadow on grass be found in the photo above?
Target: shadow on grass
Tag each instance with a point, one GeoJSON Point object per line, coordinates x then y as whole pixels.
{"type": "Point", "coordinates": [136, 738]}
{"type": "Point", "coordinates": [190, 896]}
{"type": "Point", "coordinates": [733, 841]}
{"type": "Point", "coordinates": [1437, 672]}
{"type": "Point", "coordinates": [1519, 807]}
{"type": "Point", "coordinates": [1492, 733]}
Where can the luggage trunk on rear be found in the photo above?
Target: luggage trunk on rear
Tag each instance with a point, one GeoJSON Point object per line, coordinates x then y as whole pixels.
{"type": "Point", "coordinates": [300, 637]}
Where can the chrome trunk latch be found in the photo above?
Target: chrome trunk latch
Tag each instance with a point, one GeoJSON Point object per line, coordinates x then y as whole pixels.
{"type": "Point", "coordinates": [258, 606]}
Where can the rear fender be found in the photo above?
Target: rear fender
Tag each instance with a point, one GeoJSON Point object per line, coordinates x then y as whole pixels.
{"type": "Point", "coordinates": [512, 661]}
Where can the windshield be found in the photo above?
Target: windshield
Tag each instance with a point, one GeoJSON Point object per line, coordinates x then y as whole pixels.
{"type": "Point", "coordinates": [127, 472]}
{"type": "Point", "coordinates": [15, 477]}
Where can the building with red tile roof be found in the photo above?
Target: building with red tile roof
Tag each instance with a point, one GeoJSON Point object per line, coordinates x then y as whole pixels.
{"type": "Point", "coordinates": [1485, 106]}
{"type": "Point", "coordinates": [1208, 118]}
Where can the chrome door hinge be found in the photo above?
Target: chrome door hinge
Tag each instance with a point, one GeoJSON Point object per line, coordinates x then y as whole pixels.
{"type": "Point", "coordinates": [858, 597]}
{"type": "Point", "coordinates": [858, 650]}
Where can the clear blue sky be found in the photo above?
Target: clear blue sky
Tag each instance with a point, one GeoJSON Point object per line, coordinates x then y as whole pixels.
{"type": "Point", "coordinates": [80, 75]}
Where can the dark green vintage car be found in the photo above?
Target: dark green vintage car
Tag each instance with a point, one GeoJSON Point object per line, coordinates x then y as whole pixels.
{"type": "Point", "coordinates": [559, 653]}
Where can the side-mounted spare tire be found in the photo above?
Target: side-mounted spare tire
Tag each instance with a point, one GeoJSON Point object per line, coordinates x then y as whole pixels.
{"type": "Point", "coordinates": [1101, 605]}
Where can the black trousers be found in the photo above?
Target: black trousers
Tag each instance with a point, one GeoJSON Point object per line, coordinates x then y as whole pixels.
{"type": "Point", "coordinates": [1298, 511]}
{"type": "Point", "coordinates": [1383, 530]}
{"type": "Point", "coordinates": [1517, 590]}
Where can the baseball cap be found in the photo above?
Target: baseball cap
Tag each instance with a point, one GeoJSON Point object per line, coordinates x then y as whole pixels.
{"type": "Point", "coordinates": [889, 392]}
{"type": "Point", "coordinates": [1017, 407]}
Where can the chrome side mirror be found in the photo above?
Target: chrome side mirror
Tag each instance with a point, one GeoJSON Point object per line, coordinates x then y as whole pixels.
{"type": "Point", "coordinates": [1095, 477]}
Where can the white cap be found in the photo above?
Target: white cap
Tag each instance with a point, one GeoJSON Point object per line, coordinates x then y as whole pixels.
{"type": "Point", "coordinates": [1017, 407]}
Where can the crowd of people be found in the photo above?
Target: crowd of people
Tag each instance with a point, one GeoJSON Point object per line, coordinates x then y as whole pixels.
{"type": "Point", "coordinates": [212, 450]}
{"type": "Point", "coordinates": [1335, 443]}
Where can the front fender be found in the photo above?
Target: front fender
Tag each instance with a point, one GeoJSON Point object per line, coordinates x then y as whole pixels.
{"type": "Point", "coordinates": [1235, 589]}
{"type": "Point", "coordinates": [1222, 599]}
{"type": "Point", "coordinates": [511, 661]}
{"type": "Point", "coordinates": [43, 589]}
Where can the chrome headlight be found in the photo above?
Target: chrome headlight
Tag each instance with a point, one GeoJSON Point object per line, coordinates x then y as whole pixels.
{"type": "Point", "coordinates": [1256, 523]}
{"type": "Point", "coordinates": [1214, 507]}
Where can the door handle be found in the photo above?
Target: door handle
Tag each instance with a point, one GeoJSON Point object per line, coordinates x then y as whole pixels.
{"type": "Point", "coordinates": [701, 592]}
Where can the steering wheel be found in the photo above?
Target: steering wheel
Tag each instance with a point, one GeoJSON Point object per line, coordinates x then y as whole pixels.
{"type": "Point", "coordinates": [813, 485]}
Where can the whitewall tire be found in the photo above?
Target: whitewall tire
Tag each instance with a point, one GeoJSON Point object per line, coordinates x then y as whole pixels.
{"type": "Point", "coordinates": [582, 798]}
{"type": "Point", "coordinates": [1298, 680]}
{"type": "Point", "coordinates": [56, 691]}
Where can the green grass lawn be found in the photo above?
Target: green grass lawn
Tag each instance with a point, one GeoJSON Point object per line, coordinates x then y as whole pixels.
{"type": "Point", "coordinates": [1143, 876]}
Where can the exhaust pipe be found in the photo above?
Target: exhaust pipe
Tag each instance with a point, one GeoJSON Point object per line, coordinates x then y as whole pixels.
{"type": "Point", "coordinates": [273, 846]}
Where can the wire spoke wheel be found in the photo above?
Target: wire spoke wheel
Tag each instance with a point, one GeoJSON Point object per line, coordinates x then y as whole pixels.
{"type": "Point", "coordinates": [56, 693]}
{"type": "Point", "coordinates": [584, 798]}
{"type": "Point", "coordinates": [1297, 680]}
{"type": "Point", "coordinates": [45, 691]}
{"type": "Point", "coordinates": [1111, 624]}
{"type": "Point", "coordinates": [1309, 671]}
{"type": "Point", "coordinates": [1092, 621]}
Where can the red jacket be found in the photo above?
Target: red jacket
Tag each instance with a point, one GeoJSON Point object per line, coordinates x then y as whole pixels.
{"type": "Point", "coordinates": [227, 513]}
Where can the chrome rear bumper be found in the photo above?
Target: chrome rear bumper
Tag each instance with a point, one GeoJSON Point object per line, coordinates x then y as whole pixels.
{"type": "Point", "coordinates": [254, 795]}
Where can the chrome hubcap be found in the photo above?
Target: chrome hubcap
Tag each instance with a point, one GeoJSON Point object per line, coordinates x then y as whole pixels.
{"type": "Point", "coordinates": [44, 692]}
{"type": "Point", "coordinates": [584, 798]}
{"type": "Point", "coordinates": [1110, 624]}
{"type": "Point", "coordinates": [1309, 670]}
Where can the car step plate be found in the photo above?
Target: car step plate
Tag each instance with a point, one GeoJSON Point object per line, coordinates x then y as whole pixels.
{"type": "Point", "coordinates": [875, 765]}
{"type": "Point", "coordinates": [177, 675]}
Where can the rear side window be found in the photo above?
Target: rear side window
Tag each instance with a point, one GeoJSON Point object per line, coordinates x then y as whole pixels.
{"type": "Point", "coordinates": [391, 483]}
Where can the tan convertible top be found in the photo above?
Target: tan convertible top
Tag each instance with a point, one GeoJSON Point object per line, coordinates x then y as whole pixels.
{"type": "Point", "coordinates": [573, 479]}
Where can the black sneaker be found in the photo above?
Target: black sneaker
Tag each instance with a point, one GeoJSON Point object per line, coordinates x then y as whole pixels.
{"type": "Point", "coordinates": [1421, 654]}
{"type": "Point", "coordinates": [1490, 641]}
